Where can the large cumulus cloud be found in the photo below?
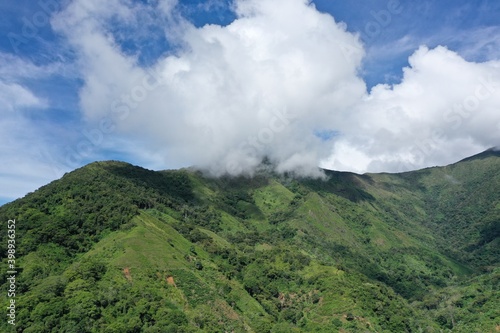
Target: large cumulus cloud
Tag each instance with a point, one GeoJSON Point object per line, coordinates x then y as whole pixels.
{"type": "Point", "coordinates": [444, 109]}
{"type": "Point", "coordinates": [281, 81]}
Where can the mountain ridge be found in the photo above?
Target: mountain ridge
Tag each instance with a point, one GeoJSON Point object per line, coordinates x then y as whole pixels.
{"type": "Point", "coordinates": [493, 151]}
{"type": "Point", "coordinates": [112, 247]}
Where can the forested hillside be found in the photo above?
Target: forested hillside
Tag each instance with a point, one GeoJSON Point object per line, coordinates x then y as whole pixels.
{"type": "Point", "coordinates": [113, 247]}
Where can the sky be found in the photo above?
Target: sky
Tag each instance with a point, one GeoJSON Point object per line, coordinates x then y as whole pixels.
{"type": "Point", "coordinates": [360, 86]}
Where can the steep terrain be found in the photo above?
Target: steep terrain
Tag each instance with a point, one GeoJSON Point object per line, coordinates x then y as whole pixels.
{"type": "Point", "coordinates": [113, 247]}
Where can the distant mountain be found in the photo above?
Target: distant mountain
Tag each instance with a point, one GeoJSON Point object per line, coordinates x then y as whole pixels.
{"type": "Point", "coordinates": [112, 247]}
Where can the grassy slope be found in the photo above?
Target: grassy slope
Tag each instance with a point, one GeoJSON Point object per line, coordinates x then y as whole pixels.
{"type": "Point", "coordinates": [375, 253]}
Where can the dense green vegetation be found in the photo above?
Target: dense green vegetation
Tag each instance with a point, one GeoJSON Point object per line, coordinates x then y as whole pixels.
{"type": "Point", "coordinates": [116, 248]}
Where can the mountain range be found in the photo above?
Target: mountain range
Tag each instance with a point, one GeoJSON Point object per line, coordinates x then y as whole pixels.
{"type": "Point", "coordinates": [113, 247]}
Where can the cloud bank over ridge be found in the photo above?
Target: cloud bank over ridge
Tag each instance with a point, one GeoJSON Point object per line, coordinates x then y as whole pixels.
{"type": "Point", "coordinates": [281, 81]}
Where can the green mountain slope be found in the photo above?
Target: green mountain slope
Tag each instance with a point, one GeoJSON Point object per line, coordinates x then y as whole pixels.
{"type": "Point", "coordinates": [113, 247]}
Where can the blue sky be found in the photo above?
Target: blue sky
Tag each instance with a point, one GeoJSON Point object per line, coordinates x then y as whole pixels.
{"type": "Point", "coordinates": [46, 76]}
{"type": "Point", "coordinates": [453, 23]}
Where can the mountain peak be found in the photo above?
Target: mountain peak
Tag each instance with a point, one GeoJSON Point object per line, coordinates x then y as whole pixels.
{"type": "Point", "coordinates": [491, 152]}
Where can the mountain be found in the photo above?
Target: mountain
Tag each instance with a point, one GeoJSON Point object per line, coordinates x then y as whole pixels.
{"type": "Point", "coordinates": [113, 247]}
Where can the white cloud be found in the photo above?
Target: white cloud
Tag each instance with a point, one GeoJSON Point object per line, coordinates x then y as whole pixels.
{"type": "Point", "coordinates": [14, 69]}
{"type": "Point", "coordinates": [266, 83]}
{"type": "Point", "coordinates": [444, 109]}
{"type": "Point", "coordinates": [260, 86]}
{"type": "Point", "coordinates": [23, 149]}
{"type": "Point", "coordinates": [13, 96]}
